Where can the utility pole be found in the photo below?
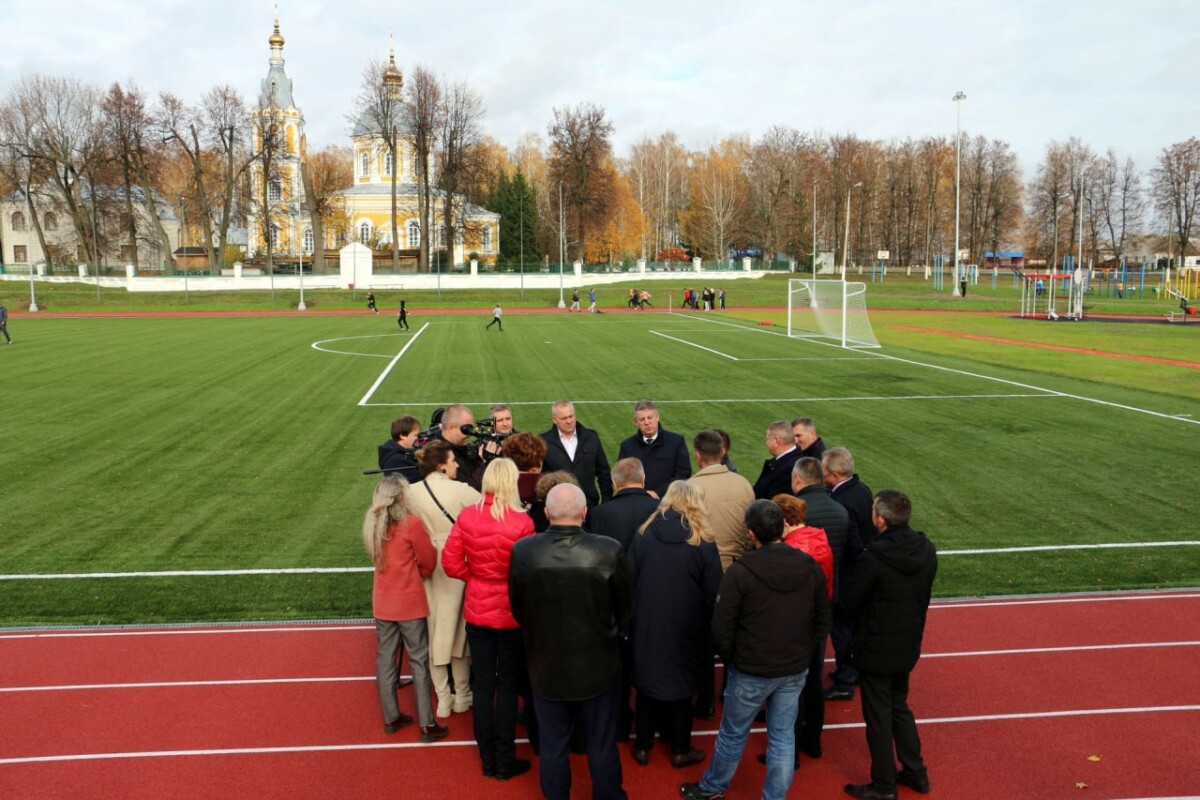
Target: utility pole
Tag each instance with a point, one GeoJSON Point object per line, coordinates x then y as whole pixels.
{"type": "Point", "coordinates": [958, 98]}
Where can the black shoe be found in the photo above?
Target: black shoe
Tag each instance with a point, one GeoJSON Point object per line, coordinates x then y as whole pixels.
{"type": "Point", "coordinates": [432, 732]}
{"type": "Point", "coordinates": [489, 771]}
{"type": "Point", "coordinates": [839, 693]}
{"type": "Point", "coordinates": [402, 721]}
{"type": "Point", "coordinates": [811, 750]}
{"type": "Point", "coordinates": [518, 766]}
{"type": "Point", "coordinates": [762, 759]}
{"type": "Point", "coordinates": [692, 791]}
{"type": "Point", "coordinates": [868, 791]}
{"type": "Point", "coordinates": [693, 756]}
{"type": "Point", "coordinates": [705, 711]}
{"type": "Point", "coordinates": [920, 785]}
{"type": "Point", "coordinates": [642, 757]}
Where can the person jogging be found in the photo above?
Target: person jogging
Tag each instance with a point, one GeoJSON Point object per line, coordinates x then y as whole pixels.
{"type": "Point", "coordinates": [402, 317]}
{"type": "Point", "coordinates": [497, 313]}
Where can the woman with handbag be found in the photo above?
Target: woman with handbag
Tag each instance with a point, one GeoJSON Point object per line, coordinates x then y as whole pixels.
{"type": "Point", "coordinates": [437, 500]}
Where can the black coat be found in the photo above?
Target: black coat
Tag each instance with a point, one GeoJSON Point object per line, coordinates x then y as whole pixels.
{"type": "Point", "coordinates": [665, 460]}
{"type": "Point", "coordinates": [888, 600]}
{"type": "Point", "coordinates": [776, 475]}
{"type": "Point", "coordinates": [620, 517]}
{"type": "Point", "coordinates": [814, 450]}
{"type": "Point", "coordinates": [773, 608]}
{"type": "Point", "coordinates": [674, 589]}
{"type": "Point", "coordinates": [397, 459]}
{"type": "Point", "coordinates": [590, 466]}
{"type": "Point", "coordinates": [857, 499]}
{"type": "Point", "coordinates": [830, 515]}
{"type": "Point", "coordinates": [572, 593]}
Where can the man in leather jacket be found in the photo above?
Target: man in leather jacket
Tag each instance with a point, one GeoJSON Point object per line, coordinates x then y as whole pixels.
{"type": "Point", "coordinates": [572, 592]}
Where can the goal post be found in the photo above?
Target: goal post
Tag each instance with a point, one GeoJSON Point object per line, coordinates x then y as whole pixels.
{"type": "Point", "coordinates": [824, 309]}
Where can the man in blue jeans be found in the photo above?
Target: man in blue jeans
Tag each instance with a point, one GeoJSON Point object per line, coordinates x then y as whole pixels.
{"type": "Point", "coordinates": [772, 609]}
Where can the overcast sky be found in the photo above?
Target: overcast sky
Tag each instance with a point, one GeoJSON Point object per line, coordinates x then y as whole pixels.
{"type": "Point", "coordinates": [1117, 74]}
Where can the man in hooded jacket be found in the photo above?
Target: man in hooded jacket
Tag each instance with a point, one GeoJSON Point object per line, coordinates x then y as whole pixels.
{"type": "Point", "coordinates": [887, 601]}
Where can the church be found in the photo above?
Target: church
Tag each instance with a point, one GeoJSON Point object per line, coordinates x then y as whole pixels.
{"type": "Point", "coordinates": [367, 203]}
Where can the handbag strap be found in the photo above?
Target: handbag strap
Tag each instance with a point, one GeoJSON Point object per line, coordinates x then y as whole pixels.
{"type": "Point", "coordinates": [441, 507]}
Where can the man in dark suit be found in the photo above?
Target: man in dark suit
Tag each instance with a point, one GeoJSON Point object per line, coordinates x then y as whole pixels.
{"type": "Point", "coordinates": [664, 455]}
{"type": "Point", "coordinates": [575, 449]}
{"type": "Point", "coordinates": [855, 496]}
{"type": "Point", "coordinates": [776, 475]}
{"type": "Point", "coordinates": [888, 601]}
{"type": "Point", "coordinates": [810, 444]}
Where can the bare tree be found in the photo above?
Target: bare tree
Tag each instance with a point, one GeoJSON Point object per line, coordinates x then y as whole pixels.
{"type": "Point", "coordinates": [1120, 201]}
{"type": "Point", "coordinates": [581, 159]}
{"type": "Point", "coordinates": [423, 115]}
{"type": "Point", "coordinates": [719, 200]}
{"type": "Point", "coordinates": [379, 111]}
{"type": "Point", "coordinates": [1177, 188]}
{"type": "Point", "coordinates": [460, 157]}
{"type": "Point", "coordinates": [657, 174]}
{"type": "Point", "coordinates": [778, 183]}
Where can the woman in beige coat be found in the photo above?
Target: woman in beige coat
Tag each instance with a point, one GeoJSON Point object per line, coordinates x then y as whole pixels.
{"type": "Point", "coordinates": [447, 630]}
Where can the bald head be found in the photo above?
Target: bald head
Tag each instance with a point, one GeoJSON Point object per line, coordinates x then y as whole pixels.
{"type": "Point", "coordinates": [566, 505]}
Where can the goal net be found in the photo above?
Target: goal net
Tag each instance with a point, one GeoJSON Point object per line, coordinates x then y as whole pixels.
{"type": "Point", "coordinates": [826, 309]}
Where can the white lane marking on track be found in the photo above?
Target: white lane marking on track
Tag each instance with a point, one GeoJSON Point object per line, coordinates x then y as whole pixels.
{"type": "Point", "coordinates": [390, 365]}
{"type": "Point", "coordinates": [1121, 406]}
{"type": "Point", "coordinates": [950, 604]}
{"type": "Point", "coordinates": [182, 631]}
{"type": "Point", "coordinates": [235, 751]}
{"type": "Point", "coordinates": [199, 573]}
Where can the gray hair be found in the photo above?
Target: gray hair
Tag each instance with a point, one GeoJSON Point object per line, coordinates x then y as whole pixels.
{"type": "Point", "coordinates": [645, 405]}
{"type": "Point", "coordinates": [838, 460]}
{"type": "Point", "coordinates": [565, 501]}
{"type": "Point", "coordinates": [628, 471]}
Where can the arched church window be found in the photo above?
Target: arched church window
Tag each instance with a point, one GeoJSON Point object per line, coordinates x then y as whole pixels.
{"type": "Point", "coordinates": [18, 221]}
{"type": "Point", "coordinates": [487, 240]}
{"type": "Point", "coordinates": [364, 233]}
{"type": "Point", "coordinates": [51, 221]}
{"type": "Point", "coordinates": [414, 234]}
{"type": "Point", "coordinates": [365, 164]}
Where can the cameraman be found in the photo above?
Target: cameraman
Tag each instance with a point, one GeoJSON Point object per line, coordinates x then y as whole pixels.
{"type": "Point", "coordinates": [470, 462]}
{"type": "Point", "coordinates": [396, 455]}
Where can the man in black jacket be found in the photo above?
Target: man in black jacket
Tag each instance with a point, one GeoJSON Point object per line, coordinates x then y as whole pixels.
{"type": "Point", "coordinates": [572, 592]}
{"type": "Point", "coordinates": [855, 496]}
{"type": "Point", "coordinates": [808, 483]}
{"type": "Point", "coordinates": [396, 454]}
{"type": "Point", "coordinates": [631, 505]}
{"type": "Point", "coordinates": [577, 450]}
{"type": "Point", "coordinates": [805, 430]}
{"type": "Point", "coordinates": [888, 600]}
{"type": "Point", "coordinates": [664, 455]}
{"type": "Point", "coordinates": [772, 608]}
{"type": "Point", "coordinates": [776, 475]}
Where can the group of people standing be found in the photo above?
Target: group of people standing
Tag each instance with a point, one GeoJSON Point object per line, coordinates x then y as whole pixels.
{"type": "Point", "coordinates": [581, 588]}
{"type": "Point", "coordinates": [706, 300]}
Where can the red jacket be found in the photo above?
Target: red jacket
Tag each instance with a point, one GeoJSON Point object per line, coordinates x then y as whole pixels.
{"type": "Point", "coordinates": [399, 593]}
{"type": "Point", "coordinates": [814, 542]}
{"type": "Point", "coordinates": [478, 552]}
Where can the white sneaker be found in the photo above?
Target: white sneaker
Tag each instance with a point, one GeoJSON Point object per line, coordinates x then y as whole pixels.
{"type": "Point", "coordinates": [462, 703]}
{"type": "Point", "coordinates": [444, 705]}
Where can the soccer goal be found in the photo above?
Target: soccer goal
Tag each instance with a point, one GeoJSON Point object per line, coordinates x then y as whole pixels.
{"type": "Point", "coordinates": [834, 310]}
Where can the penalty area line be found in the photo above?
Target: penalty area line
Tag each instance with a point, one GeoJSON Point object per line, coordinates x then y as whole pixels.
{"type": "Point", "coordinates": [386, 370]}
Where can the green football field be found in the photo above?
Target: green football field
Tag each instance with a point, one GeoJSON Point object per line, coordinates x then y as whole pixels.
{"type": "Point", "coordinates": [228, 452]}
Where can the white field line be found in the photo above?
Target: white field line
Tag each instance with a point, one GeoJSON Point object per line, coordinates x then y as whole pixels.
{"type": "Point", "coordinates": [209, 573]}
{"type": "Point", "coordinates": [697, 346]}
{"type": "Point", "coordinates": [317, 345]}
{"type": "Point", "coordinates": [1083, 398]}
{"type": "Point", "coordinates": [383, 375]}
{"type": "Point", "coordinates": [363, 678]}
{"type": "Point", "coordinates": [732, 400]}
{"type": "Point", "coordinates": [235, 751]}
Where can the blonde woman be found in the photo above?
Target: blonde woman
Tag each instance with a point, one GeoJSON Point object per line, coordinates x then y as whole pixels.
{"type": "Point", "coordinates": [676, 573]}
{"type": "Point", "coordinates": [478, 551]}
{"type": "Point", "coordinates": [437, 500]}
{"type": "Point", "coordinates": [402, 554]}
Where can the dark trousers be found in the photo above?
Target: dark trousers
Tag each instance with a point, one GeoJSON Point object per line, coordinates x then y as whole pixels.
{"type": "Point", "coordinates": [4, 330]}
{"type": "Point", "coordinates": [844, 675]}
{"type": "Point", "coordinates": [496, 664]}
{"type": "Point", "coordinates": [890, 723]}
{"type": "Point", "coordinates": [625, 720]}
{"type": "Point", "coordinates": [811, 719]}
{"type": "Point", "coordinates": [495, 321]}
{"type": "Point", "coordinates": [598, 715]}
{"type": "Point", "coordinates": [672, 717]}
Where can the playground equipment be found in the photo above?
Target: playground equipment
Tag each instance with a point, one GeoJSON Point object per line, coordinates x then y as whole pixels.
{"type": "Point", "coordinates": [1038, 285]}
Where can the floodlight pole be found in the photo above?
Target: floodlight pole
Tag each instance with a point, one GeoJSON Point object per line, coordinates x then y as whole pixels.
{"type": "Point", "coordinates": [33, 306]}
{"type": "Point", "coordinates": [521, 236]}
{"type": "Point", "coordinates": [846, 241]}
{"type": "Point", "coordinates": [562, 247]}
{"type": "Point", "coordinates": [300, 237]}
{"type": "Point", "coordinates": [183, 249]}
{"type": "Point", "coordinates": [814, 241]}
{"type": "Point", "coordinates": [958, 98]}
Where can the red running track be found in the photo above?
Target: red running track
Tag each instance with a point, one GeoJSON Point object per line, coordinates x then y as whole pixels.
{"type": "Point", "coordinates": [1017, 698]}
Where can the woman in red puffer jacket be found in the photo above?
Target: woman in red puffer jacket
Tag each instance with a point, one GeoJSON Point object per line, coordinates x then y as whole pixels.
{"type": "Point", "coordinates": [478, 552]}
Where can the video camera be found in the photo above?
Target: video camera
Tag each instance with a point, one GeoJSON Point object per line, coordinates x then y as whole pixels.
{"type": "Point", "coordinates": [485, 431]}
